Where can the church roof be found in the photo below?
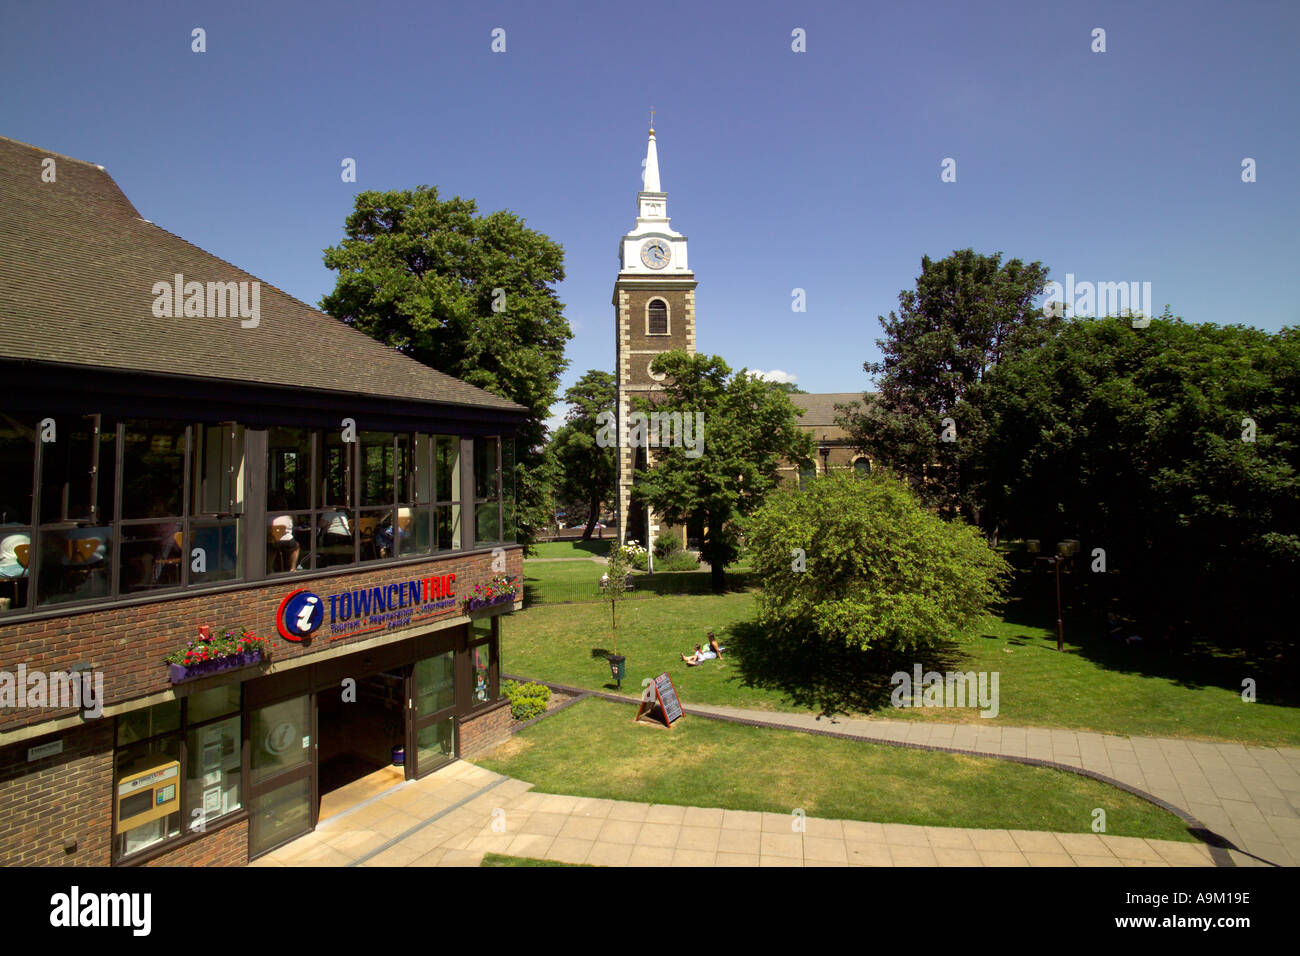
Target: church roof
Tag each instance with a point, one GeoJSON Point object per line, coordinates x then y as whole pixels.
{"type": "Point", "coordinates": [819, 407]}
{"type": "Point", "coordinates": [820, 414]}
{"type": "Point", "coordinates": [77, 269]}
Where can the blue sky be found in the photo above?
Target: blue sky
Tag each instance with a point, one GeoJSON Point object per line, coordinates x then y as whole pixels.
{"type": "Point", "coordinates": [816, 170]}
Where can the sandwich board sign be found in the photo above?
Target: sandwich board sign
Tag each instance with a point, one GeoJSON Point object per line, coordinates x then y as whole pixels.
{"type": "Point", "coordinates": [660, 701]}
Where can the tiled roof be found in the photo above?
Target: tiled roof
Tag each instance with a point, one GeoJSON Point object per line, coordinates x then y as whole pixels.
{"type": "Point", "coordinates": [77, 269]}
{"type": "Point", "coordinates": [819, 408]}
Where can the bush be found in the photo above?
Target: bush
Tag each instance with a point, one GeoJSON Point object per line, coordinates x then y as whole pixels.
{"type": "Point", "coordinates": [860, 563]}
{"type": "Point", "coordinates": [526, 700]}
{"type": "Point", "coordinates": [678, 561]}
{"type": "Point", "coordinates": [666, 544]}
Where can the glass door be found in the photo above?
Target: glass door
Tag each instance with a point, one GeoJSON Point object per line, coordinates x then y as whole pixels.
{"type": "Point", "coordinates": [433, 713]}
{"type": "Point", "coordinates": [281, 805]}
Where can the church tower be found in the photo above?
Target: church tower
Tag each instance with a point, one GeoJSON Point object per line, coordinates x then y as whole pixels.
{"type": "Point", "coordinates": [654, 312]}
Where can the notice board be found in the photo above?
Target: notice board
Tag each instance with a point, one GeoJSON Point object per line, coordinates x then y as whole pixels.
{"type": "Point", "coordinates": [660, 701]}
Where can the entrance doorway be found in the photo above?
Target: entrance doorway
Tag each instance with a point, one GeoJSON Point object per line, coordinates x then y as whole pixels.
{"type": "Point", "coordinates": [357, 729]}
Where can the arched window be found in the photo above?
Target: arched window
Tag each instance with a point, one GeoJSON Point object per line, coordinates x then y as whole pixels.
{"type": "Point", "coordinates": [657, 317]}
{"type": "Point", "coordinates": [807, 472]}
{"type": "Point", "coordinates": [861, 467]}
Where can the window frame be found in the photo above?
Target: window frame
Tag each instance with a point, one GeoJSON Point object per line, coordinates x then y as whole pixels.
{"type": "Point", "coordinates": [180, 734]}
{"type": "Point", "coordinates": [668, 317]}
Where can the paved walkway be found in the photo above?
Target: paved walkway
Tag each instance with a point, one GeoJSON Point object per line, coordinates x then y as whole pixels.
{"type": "Point", "coordinates": [1248, 795]}
{"type": "Point", "coordinates": [455, 816]}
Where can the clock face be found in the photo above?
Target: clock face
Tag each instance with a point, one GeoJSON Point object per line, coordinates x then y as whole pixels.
{"type": "Point", "coordinates": [656, 253]}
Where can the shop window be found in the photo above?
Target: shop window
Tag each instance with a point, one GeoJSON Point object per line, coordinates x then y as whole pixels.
{"type": "Point", "coordinates": [212, 777]}
{"type": "Point", "coordinates": [78, 467]}
{"type": "Point", "coordinates": [435, 744]}
{"type": "Point", "coordinates": [435, 683]}
{"type": "Point", "coordinates": [277, 735]}
{"type": "Point", "coordinates": [483, 666]}
{"type": "Point", "coordinates": [335, 519]}
{"type": "Point", "coordinates": [177, 767]}
{"type": "Point", "coordinates": [508, 475]}
{"type": "Point", "coordinates": [289, 522]}
{"type": "Point", "coordinates": [153, 505]}
{"type": "Point", "coordinates": [147, 789]}
{"type": "Point", "coordinates": [279, 815]}
{"type": "Point", "coordinates": [17, 464]}
{"type": "Point", "coordinates": [75, 540]}
{"type": "Point", "coordinates": [487, 491]}
{"type": "Point", "coordinates": [446, 510]}
{"type": "Point", "coordinates": [377, 478]}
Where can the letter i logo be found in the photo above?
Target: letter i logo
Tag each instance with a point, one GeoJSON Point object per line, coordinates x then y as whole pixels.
{"type": "Point", "coordinates": [300, 613]}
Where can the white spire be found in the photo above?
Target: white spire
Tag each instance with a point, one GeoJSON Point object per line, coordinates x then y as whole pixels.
{"type": "Point", "coordinates": [651, 166]}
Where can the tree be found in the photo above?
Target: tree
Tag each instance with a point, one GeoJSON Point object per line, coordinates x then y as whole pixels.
{"type": "Point", "coordinates": [586, 470]}
{"type": "Point", "coordinates": [616, 574]}
{"type": "Point", "coordinates": [967, 313]}
{"type": "Point", "coordinates": [859, 563]}
{"type": "Point", "coordinates": [1174, 448]}
{"type": "Point", "coordinates": [470, 295]}
{"type": "Point", "coordinates": [749, 429]}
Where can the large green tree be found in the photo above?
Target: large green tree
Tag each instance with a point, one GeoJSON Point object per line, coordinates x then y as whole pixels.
{"type": "Point", "coordinates": [857, 562]}
{"type": "Point", "coordinates": [585, 469]}
{"type": "Point", "coordinates": [1175, 449]}
{"type": "Point", "coordinates": [470, 295]}
{"type": "Point", "coordinates": [966, 314]}
{"type": "Point", "coordinates": [750, 429]}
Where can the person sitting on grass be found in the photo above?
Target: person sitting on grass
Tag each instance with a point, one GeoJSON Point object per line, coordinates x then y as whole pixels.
{"type": "Point", "coordinates": [714, 650]}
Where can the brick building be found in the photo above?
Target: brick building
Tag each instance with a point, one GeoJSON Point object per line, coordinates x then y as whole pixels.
{"type": "Point", "coordinates": [184, 447]}
{"type": "Point", "coordinates": [835, 449]}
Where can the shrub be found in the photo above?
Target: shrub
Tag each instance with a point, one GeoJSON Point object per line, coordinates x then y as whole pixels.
{"type": "Point", "coordinates": [526, 700]}
{"type": "Point", "coordinates": [859, 562]}
{"type": "Point", "coordinates": [678, 561]}
{"type": "Point", "coordinates": [667, 543]}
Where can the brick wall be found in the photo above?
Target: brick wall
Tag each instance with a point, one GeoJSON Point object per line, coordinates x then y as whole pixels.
{"type": "Point", "coordinates": [481, 732]}
{"type": "Point", "coordinates": [127, 644]}
{"type": "Point", "coordinates": [65, 795]}
{"type": "Point", "coordinates": [227, 847]}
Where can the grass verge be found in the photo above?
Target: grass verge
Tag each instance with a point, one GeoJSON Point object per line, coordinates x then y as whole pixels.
{"type": "Point", "coordinates": [594, 749]}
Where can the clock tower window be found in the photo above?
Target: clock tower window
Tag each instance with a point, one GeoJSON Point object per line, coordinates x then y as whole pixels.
{"type": "Point", "coordinates": [657, 317]}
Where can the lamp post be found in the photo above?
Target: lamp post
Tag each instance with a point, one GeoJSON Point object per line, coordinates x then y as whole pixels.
{"type": "Point", "coordinates": [649, 545]}
{"type": "Point", "coordinates": [1060, 627]}
{"type": "Point", "coordinates": [1063, 550]}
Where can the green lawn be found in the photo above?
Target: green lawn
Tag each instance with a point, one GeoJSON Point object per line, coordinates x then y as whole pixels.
{"type": "Point", "coordinates": [567, 644]}
{"type": "Point", "coordinates": [595, 749]}
{"type": "Point", "coordinates": [501, 859]}
{"type": "Point", "coordinates": [1095, 685]}
{"type": "Point", "coordinates": [552, 582]}
{"type": "Point", "coordinates": [596, 547]}
{"type": "Point", "coordinates": [571, 581]}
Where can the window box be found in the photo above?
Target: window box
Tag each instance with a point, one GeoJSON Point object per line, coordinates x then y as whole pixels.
{"type": "Point", "coordinates": [502, 589]}
{"type": "Point", "coordinates": [475, 604]}
{"type": "Point", "coordinates": [180, 673]}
